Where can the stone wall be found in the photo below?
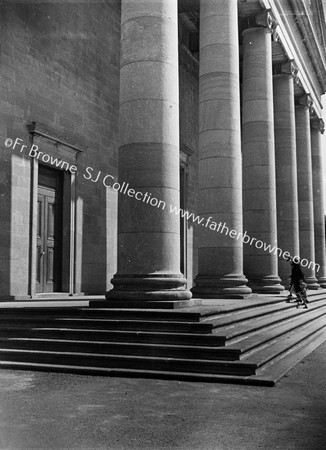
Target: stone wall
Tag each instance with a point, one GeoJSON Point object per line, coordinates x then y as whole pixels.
{"type": "Point", "coordinates": [59, 66]}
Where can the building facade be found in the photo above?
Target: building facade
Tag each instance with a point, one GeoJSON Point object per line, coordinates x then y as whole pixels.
{"type": "Point", "coordinates": [159, 150]}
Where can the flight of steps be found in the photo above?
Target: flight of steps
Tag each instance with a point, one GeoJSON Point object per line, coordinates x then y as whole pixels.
{"type": "Point", "coordinates": [250, 342]}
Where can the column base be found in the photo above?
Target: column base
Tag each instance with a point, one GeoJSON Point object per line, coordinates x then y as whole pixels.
{"type": "Point", "coordinates": [285, 282]}
{"type": "Point", "coordinates": [270, 284]}
{"type": "Point", "coordinates": [322, 282]}
{"type": "Point", "coordinates": [229, 286]}
{"type": "Point", "coordinates": [312, 283]}
{"type": "Point", "coordinates": [148, 288]}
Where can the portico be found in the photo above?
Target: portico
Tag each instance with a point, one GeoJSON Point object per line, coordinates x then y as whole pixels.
{"type": "Point", "coordinates": [259, 126]}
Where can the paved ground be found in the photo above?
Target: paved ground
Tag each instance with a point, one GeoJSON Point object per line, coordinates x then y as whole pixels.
{"type": "Point", "coordinates": [60, 411]}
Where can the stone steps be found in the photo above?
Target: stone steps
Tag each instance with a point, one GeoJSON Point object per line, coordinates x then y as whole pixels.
{"type": "Point", "coordinates": [245, 343]}
{"type": "Point", "coordinates": [121, 348]}
{"type": "Point", "coordinates": [240, 319]}
{"type": "Point", "coordinates": [101, 314]}
{"type": "Point", "coordinates": [82, 339]}
{"type": "Point", "coordinates": [273, 345]}
{"type": "Point", "coordinates": [108, 324]}
{"type": "Point", "coordinates": [248, 333]}
{"type": "Point", "coordinates": [134, 373]}
{"type": "Point", "coordinates": [129, 361]}
{"type": "Point", "coordinates": [84, 334]}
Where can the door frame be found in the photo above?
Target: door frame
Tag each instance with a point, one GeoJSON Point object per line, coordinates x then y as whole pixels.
{"type": "Point", "coordinates": [49, 192]}
{"type": "Point", "coordinates": [68, 232]}
{"type": "Point", "coordinates": [55, 146]}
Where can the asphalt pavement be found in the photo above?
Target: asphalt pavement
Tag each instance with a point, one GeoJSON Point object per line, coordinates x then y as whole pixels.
{"type": "Point", "coordinates": [63, 411]}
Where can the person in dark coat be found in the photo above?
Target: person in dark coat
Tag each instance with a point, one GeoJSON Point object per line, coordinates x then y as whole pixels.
{"type": "Point", "coordinates": [298, 284]}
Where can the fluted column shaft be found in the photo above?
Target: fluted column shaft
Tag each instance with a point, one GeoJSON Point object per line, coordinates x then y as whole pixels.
{"type": "Point", "coordinates": [220, 196]}
{"type": "Point", "coordinates": [305, 194]}
{"type": "Point", "coordinates": [286, 171]}
{"type": "Point", "coordinates": [259, 194]}
{"type": "Point", "coordinates": [317, 127]}
{"type": "Point", "coordinates": [148, 236]}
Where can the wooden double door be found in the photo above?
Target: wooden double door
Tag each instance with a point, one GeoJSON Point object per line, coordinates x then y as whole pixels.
{"type": "Point", "coordinates": [49, 231]}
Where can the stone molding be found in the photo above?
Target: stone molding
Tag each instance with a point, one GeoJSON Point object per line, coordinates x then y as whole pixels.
{"type": "Point", "coordinates": [288, 68]}
{"type": "Point", "coordinates": [266, 19]}
{"type": "Point", "coordinates": [37, 129]}
{"type": "Point", "coordinates": [305, 100]}
{"type": "Point", "coordinates": [318, 124]}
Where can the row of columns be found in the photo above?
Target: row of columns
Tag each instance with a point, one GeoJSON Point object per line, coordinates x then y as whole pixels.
{"type": "Point", "coordinates": [273, 202]}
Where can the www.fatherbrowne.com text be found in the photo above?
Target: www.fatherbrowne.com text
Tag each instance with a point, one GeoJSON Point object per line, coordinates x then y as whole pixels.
{"type": "Point", "coordinates": [124, 188]}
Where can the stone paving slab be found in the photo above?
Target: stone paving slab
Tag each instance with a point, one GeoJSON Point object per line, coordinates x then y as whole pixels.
{"type": "Point", "coordinates": [62, 411]}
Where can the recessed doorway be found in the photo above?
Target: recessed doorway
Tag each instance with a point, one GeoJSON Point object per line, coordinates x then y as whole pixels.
{"type": "Point", "coordinates": [49, 231]}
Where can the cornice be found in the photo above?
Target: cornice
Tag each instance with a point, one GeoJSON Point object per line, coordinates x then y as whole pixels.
{"type": "Point", "coordinates": [37, 129]}
{"type": "Point", "coordinates": [291, 46]}
{"type": "Point", "coordinates": [311, 41]}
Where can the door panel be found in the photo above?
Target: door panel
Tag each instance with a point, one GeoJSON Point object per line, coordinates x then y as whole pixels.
{"type": "Point", "coordinates": [49, 234]}
{"type": "Point", "coordinates": [39, 246]}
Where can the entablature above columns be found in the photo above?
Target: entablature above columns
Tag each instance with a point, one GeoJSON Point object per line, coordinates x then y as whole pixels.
{"type": "Point", "coordinates": [249, 7]}
{"type": "Point", "coordinates": [294, 37]}
{"type": "Point", "coordinates": [296, 34]}
{"type": "Point", "coordinates": [278, 53]}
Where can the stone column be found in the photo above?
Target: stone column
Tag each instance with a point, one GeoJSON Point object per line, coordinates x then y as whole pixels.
{"type": "Point", "coordinates": [305, 193]}
{"type": "Point", "coordinates": [148, 234]}
{"type": "Point", "coordinates": [220, 190]}
{"type": "Point", "coordinates": [317, 128]}
{"type": "Point", "coordinates": [286, 166]}
{"type": "Point", "coordinates": [258, 152]}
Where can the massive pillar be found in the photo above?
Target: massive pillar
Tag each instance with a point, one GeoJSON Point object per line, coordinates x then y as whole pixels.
{"type": "Point", "coordinates": [286, 166]}
{"type": "Point", "coordinates": [220, 203]}
{"type": "Point", "coordinates": [318, 127]}
{"type": "Point", "coordinates": [260, 264]}
{"type": "Point", "coordinates": [305, 193]}
{"type": "Point", "coordinates": [148, 235]}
